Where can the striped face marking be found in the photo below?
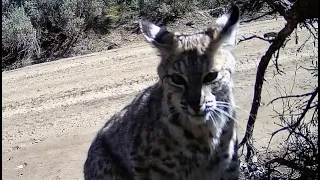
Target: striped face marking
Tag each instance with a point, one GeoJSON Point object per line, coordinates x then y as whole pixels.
{"type": "Point", "coordinates": [194, 69]}
{"type": "Point", "coordinates": [196, 83]}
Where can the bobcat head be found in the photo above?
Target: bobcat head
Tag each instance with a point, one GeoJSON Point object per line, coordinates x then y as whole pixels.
{"type": "Point", "coordinates": [195, 71]}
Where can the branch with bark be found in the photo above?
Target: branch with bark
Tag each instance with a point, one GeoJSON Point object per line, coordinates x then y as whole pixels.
{"type": "Point", "coordinates": [294, 13]}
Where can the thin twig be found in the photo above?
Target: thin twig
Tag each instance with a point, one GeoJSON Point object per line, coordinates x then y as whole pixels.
{"type": "Point", "coordinates": [309, 29]}
{"type": "Point", "coordinates": [261, 16]}
{"type": "Point", "coordinates": [290, 96]}
{"type": "Point", "coordinates": [314, 94]}
{"type": "Point", "coordinates": [293, 126]}
{"type": "Point", "coordinates": [277, 64]}
{"type": "Point", "coordinates": [254, 36]}
{"type": "Point", "coordinates": [304, 43]}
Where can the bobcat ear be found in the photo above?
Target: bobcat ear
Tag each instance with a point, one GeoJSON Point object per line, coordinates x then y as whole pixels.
{"type": "Point", "coordinates": [226, 27]}
{"type": "Point", "coordinates": [159, 37]}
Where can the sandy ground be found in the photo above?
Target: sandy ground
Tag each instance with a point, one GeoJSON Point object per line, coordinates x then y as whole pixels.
{"type": "Point", "coordinates": [52, 111]}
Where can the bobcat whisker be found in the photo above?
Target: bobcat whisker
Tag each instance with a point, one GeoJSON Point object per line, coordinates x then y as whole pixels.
{"type": "Point", "coordinates": [212, 115]}
{"type": "Point", "coordinates": [173, 111]}
{"type": "Point", "coordinates": [226, 114]}
{"type": "Point", "coordinates": [220, 103]}
{"type": "Point", "coordinates": [217, 114]}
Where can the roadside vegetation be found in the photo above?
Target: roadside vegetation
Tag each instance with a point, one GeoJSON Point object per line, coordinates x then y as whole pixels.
{"type": "Point", "coordinates": [36, 31]}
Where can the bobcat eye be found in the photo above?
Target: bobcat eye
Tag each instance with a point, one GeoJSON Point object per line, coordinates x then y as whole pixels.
{"type": "Point", "coordinates": [177, 79]}
{"type": "Point", "coordinates": [210, 77]}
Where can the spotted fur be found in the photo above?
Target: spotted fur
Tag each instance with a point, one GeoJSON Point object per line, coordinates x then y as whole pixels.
{"type": "Point", "coordinates": [183, 127]}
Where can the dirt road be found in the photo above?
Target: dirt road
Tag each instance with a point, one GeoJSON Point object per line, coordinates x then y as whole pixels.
{"type": "Point", "coordinates": [52, 111]}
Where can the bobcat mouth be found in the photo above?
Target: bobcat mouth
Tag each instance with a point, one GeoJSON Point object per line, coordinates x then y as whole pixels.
{"type": "Point", "coordinates": [197, 119]}
{"type": "Point", "coordinates": [196, 114]}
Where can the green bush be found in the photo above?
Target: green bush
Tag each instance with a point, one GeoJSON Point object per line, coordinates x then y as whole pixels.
{"type": "Point", "coordinates": [19, 38]}
{"type": "Point", "coordinates": [50, 27]}
{"type": "Point", "coordinates": [62, 15]}
{"type": "Point", "coordinates": [45, 29]}
{"type": "Point", "coordinates": [167, 10]}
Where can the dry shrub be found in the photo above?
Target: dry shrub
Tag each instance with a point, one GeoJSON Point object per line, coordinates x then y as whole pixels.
{"type": "Point", "coordinates": [19, 38]}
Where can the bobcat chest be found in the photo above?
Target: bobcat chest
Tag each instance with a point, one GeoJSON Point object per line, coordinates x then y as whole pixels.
{"type": "Point", "coordinates": [187, 158]}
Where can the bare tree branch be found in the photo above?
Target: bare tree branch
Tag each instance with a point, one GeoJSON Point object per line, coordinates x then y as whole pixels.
{"type": "Point", "coordinates": [293, 127]}
{"type": "Point", "coordinates": [304, 43]}
{"type": "Point", "coordinates": [279, 71]}
{"type": "Point", "coordinates": [261, 16]}
{"type": "Point", "coordinates": [314, 94]}
{"type": "Point", "coordinates": [254, 36]}
{"type": "Point", "coordinates": [294, 13]}
{"type": "Point", "coordinates": [278, 42]}
{"type": "Point", "coordinates": [290, 96]}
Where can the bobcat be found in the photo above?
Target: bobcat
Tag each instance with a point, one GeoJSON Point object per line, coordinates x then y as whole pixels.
{"type": "Point", "coordinates": [182, 127]}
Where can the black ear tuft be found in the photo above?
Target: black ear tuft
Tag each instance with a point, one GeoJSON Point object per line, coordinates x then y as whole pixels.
{"type": "Point", "coordinates": [225, 30]}
{"type": "Point", "coordinates": [158, 36]}
{"type": "Point", "coordinates": [234, 14]}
